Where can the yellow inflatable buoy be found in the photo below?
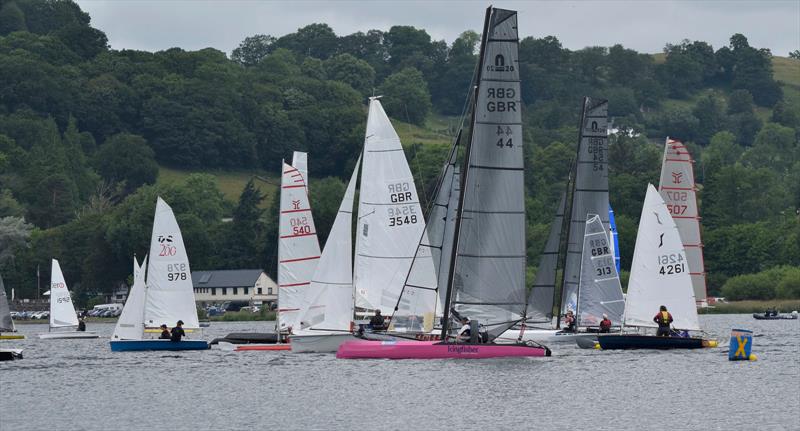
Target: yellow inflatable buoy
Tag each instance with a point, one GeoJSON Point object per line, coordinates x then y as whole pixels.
{"type": "Point", "coordinates": [597, 346]}
{"type": "Point", "coordinates": [712, 343]}
{"type": "Point", "coordinates": [753, 357]}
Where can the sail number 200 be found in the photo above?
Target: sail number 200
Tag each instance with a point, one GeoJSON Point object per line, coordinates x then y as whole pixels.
{"type": "Point", "coordinates": [176, 271]}
{"type": "Point", "coordinates": [671, 264]}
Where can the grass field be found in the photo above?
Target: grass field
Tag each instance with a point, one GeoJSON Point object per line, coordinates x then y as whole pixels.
{"type": "Point", "coordinates": [736, 307]}
{"type": "Point", "coordinates": [230, 183]}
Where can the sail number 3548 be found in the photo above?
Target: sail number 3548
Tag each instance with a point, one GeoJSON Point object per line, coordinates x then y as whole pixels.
{"type": "Point", "coordinates": [671, 264]}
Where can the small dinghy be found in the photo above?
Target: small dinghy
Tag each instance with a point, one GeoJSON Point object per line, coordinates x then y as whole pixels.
{"type": "Point", "coordinates": [162, 292]}
{"type": "Point", "coordinates": [62, 312]}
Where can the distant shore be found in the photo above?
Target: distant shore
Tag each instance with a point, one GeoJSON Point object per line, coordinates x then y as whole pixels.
{"type": "Point", "coordinates": [231, 316]}
{"type": "Point", "coordinates": [737, 307]}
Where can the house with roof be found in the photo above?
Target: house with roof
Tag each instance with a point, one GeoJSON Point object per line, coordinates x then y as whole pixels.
{"type": "Point", "coordinates": [251, 285]}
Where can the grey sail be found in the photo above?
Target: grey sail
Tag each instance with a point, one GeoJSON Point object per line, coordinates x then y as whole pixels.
{"type": "Point", "coordinates": [540, 301]}
{"type": "Point", "coordinates": [421, 299]}
{"type": "Point", "coordinates": [488, 282]}
{"type": "Point", "coordinates": [590, 191]}
{"type": "Point", "coordinates": [6, 323]}
{"type": "Point", "coordinates": [600, 290]}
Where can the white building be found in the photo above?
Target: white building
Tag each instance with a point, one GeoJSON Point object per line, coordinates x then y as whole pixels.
{"type": "Point", "coordinates": [216, 287]}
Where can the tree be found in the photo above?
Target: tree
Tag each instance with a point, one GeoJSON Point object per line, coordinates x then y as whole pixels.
{"type": "Point", "coordinates": [406, 96]}
{"type": "Point", "coordinates": [326, 197]}
{"type": "Point", "coordinates": [795, 54]}
{"type": "Point", "coordinates": [126, 159]}
{"type": "Point", "coordinates": [314, 40]}
{"type": "Point", "coordinates": [711, 118]}
{"type": "Point", "coordinates": [11, 18]}
{"type": "Point", "coordinates": [253, 49]}
{"type": "Point", "coordinates": [14, 235]}
{"type": "Point", "coordinates": [723, 151]}
{"type": "Point", "coordinates": [352, 71]}
{"type": "Point", "coordinates": [775, 147]}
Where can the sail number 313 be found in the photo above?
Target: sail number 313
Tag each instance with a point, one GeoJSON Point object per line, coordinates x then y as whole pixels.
{"type": "Point", "coordinates": [176, 271]}
{"type": "Point", "coordinates": [671, 264]}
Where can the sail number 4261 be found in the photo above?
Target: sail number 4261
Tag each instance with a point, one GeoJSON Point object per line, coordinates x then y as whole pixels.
{"type": "Point", "coordinates": [671, 264]}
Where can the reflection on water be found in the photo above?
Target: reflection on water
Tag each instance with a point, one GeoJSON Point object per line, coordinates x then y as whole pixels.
{"type": "Point", "coordinates": [81, 384]}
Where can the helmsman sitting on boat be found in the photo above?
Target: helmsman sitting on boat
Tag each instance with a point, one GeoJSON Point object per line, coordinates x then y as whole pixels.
{"type": "Point", "coordinates": [177, 331]}
{"type": "Point", "coordinates": [664, 321]}
{"type": "Point", "coordinates": [605, 324]}
{"type": "Point", "coordinates": [377, 322]}
{"type": "Point", "coordinates": [569, 322]}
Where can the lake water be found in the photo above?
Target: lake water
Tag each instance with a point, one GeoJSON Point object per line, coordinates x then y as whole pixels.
{"type": "Point", "coordinates": [81, 384]}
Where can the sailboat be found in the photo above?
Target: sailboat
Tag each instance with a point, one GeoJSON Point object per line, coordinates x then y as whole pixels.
{"type": "Point", "coordinates": [486, 274]}
{"type": "Point", "coordinates": [390, 224]}
{"type": "Point", "coordinates": [62, 312]}
{"type": "Point", "coordinates": [7, 327]}
{"type": "Point", "coordinates": [678, 189]}
{"type": "Point", "coordinates": [162, 292]}
{"type": "Point", "coordinates": [659, 276]}
{"type": "Point", "coordinates": [327, 316]}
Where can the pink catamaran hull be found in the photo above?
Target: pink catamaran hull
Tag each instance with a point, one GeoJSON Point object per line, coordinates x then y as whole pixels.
{"type": "Point", "coordinates": [409, 349]}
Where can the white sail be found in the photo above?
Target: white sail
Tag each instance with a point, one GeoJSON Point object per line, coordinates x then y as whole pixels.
{"type": "Point", "coordinates": [62, 312]}
{"type": "Point", "coordinates": [600, 291]}
{"type": "Point", "coordinates": [329, 299]}
{"type": "Point", "coordinates": [170, 295]}
{"type": "Point", "coordinates": [677, 188]}
{"type": "Point", "coordinates": [6, 322]}
{"type": "Point", "coordinates": [298, 247]}
{"type": "Point", "coordinates": [300, 162]}
{"type": "Point", "coordinates": [130, 325]}
{"type": "Point", "coordinates": [390, 220]}
{"type": "Point", "coordinates": [659, 272]}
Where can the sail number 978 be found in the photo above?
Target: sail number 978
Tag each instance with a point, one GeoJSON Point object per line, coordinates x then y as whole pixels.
{"type": "Point", "coordinates": [673, 263]}
{"type": "Point", "coordinates": [177, 271]}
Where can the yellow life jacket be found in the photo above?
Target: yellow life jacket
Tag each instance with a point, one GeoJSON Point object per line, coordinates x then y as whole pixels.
{"type": "Point", "coordinates": [665, 317]}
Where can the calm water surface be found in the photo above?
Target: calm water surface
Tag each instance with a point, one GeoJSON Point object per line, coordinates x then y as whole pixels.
{"type": "Point", "coordinates": [81, 384]}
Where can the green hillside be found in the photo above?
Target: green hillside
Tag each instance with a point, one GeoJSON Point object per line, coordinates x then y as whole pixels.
{"type": "Point", "coordinates": [230, 183]}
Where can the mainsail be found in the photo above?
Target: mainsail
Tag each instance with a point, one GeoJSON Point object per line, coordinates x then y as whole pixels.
{"type": "Point", "coordinates": [130, 325]}
{"type": "Point", "coordinates": [300, 162]}
{"type": "Point", "coordinates": [659, 272]}
{"type": "Point", "coordinates": [390, 220]}
{"type": "Point", "coordinates": [422, 298]}
{"type": "Point", "coordinates": [540, 301]}
{"type": "Point", "coordinates": [62, 312]}
{"type": "Point", "coordinates": [590, 191]}
{"type": "Point", "coordinates": [600, 291]}
{"type": "Point", "coordinates": [488, 274]}
{"type": "Point", "coordinates": [298, 247]}
{"type": "Point", "coordinates": [678, 189]}
{"type": "Point", "coordinates": [328, 303]}
{"type": "Point", "coordinates": [6, 323]}
{"type": "Point", "coordinates": [170, 294]}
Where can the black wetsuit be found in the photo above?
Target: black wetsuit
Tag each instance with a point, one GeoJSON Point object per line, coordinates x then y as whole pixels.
{"type": "Point", "coordinates": [177, 333]}
{"type": "Point", "coordinates": [377, 323]}
{"type": "Point", "coordinates": [81, 326]}
{"type": "Point", "coordinates": [165, 335]}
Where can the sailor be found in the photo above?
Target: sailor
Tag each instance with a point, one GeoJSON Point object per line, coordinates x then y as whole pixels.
{"type": "Point", "coordinates": [569, 321]}
{"type": "Point", "coordinates": [177, 331]}
{"type": "Point", "coordinates": [465, 333]}
{"type": "Point", "coordinates": [81, 325]}
{"type": "Point", "coordinates": [664, 320]}
{"type": "Point", "coordinates": [377, 322]}
{"type": "Point", "coordinates": [165, 335]}
{"type": "Point", "coordinates": [605, 324]}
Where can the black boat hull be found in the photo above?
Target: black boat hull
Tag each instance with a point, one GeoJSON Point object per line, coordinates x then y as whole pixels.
{"type": "Point", "coordinates": [761, 316]}
{"type": "Point", "coordinates": [248, 338]}
{"type": "Point", "coordinates": [636, 341]}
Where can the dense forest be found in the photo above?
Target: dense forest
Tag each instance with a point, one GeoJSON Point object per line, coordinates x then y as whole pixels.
{"type": "Point", "coordinates": [85, 130]}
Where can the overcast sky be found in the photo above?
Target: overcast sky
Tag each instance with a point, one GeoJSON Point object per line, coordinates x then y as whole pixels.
{"type": "Point", "coordinates": [643, 25]}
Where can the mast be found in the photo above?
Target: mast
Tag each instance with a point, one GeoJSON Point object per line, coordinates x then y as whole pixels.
{"type": "Point", "coordinates": [563, 241]}
{"type": "Point", "coordinates": [464, 174]}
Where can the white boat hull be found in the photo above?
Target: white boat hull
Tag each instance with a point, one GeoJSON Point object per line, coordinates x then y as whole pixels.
{"type": "Point", "coordinates": [544, 336]}
{"type": "Point", "coordinates": [66, 335]}
{"type": "Point", "coordinates": [326, 342]}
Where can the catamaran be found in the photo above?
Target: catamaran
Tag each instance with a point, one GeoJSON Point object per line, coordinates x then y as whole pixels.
{"type": "Point", "coordinates": [678, 189]}
{"type": "Point", "coordinates": [62, 312]}
{"type": "Point", "coordinates": [659, 276]}
{"type": "Point", "coordinates": [389, 227]}
{"type": "Point", "coordinates": [485, 281]}
{"type": "Point", "coordinates": [162, 293]}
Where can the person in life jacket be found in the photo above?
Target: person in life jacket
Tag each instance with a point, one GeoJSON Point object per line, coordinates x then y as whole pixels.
{"type": "Point", "coordinates": [605, 324]}
{"type": "Point", "coordinates": [165, 335]}
{"type": "Point", "coordinates": [81, 325]}
{"type": "Point", "coordinates": [569, 321]}
{"type": "Point", "coordinates": [465, 333]}
{"type": "Point", "coordinates": [177, 331]}
{"type": "Point", "coordinates": [664, 320]}
{"type": "Point", "coordinates": [377, 322]}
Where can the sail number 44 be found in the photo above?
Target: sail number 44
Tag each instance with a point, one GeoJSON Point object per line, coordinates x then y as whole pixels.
{"type": "Point", "coordinates": [176, 271]}
{"type": "Point", "coordinates": [673, 263]}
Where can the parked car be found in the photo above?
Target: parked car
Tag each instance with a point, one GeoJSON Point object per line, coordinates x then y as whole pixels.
{"type": "Point", "coordinates": [214, 311]}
